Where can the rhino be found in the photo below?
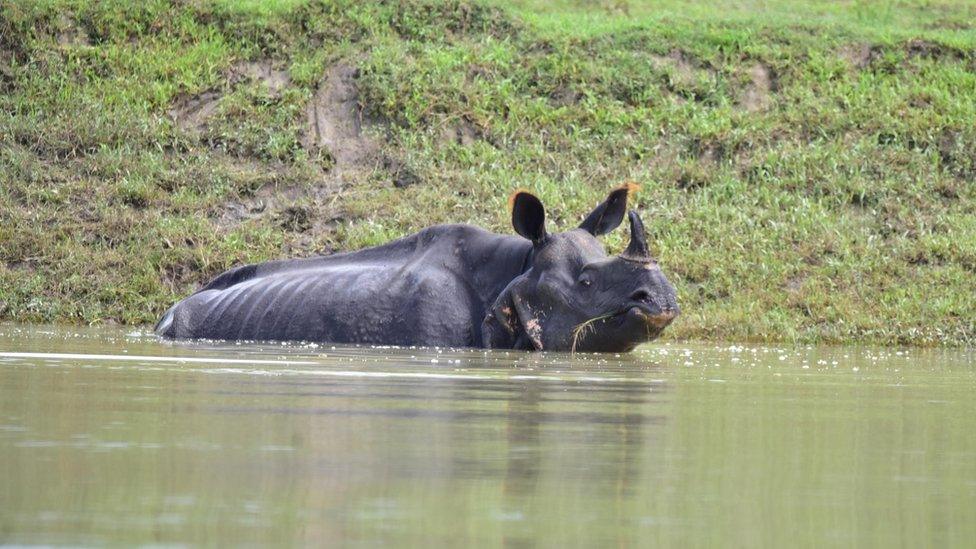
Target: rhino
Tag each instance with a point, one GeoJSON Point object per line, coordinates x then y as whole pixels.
{"type": "Point", "coordinates": [451, 286]}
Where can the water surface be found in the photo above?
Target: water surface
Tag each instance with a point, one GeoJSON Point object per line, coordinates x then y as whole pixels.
{"type": "Point", "coordinates": [109, 436]}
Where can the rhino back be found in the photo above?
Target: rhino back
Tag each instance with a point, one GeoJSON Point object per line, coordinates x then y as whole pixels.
{"type": "Point", "coordinates": [416, 291]}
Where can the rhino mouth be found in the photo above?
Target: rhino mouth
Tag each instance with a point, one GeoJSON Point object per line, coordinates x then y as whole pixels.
{"type": "Point", "coordinates": [642, 311]}
{"type": "Point", "coordinates": [636, 314]}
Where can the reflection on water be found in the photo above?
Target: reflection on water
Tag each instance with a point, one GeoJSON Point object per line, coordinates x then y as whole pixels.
{"type": "Point", "coordinates": [115, 437]}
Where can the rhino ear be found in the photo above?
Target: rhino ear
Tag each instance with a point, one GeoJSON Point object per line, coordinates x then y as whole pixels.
{"type": "Point", "coordinates": [510, 324]}
{"type": "Point", "coordinates": [609, 213]}
{"type": "Point", "coordinates": [528, 216]}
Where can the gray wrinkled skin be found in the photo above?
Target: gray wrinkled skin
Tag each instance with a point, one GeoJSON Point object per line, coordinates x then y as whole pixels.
{"type": "Point", "coordinates": [452, 286]}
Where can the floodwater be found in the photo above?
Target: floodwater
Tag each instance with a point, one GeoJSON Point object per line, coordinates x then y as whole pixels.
{"type": "Point", "coordinates": [111, 437]}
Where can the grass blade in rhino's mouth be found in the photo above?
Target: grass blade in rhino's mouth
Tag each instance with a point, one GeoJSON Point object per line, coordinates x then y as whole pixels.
{"type": "Point", "coordinates": [579, 331]}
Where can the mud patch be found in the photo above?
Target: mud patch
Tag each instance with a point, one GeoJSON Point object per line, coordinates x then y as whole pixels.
{"type": "Point", "coordinates": [27, 265]}
{"type": "Point", "coordinates": [335, 130]}
{"type": "Point", "coordinates": [858, 55]}
{"type": "Point", "coordinates": [463, 133]}
{"type": "Point", "coordinates": [403, 176]}
{"type": "Point", "coordinates": [235, 212]}
{"type": "Point", "coordinates": [565, 96]}
{"type": "Point", "coordinates": [664, 159]}
{"type": "Point", "coordinates": [685, 77]}
{"type": "Point", "coordinates": [309, 218]}
{"type": "Point", "coordinates": [267, 197]}
{"type": "Point", "coordinates": [957, 154]}
{"type": "Point", "coordinates": [317, 240]}
{"type": "Point", "coordinates": [303, 199]}
{"type": "Point", "coordinates": [305, 205]}
{"type": "Point", "coordinates": [681, 64]}
{"type": "Point", "coordinates": [262, 72]}
{"type": "Point", "coordinates": [692, 178]}
{"type": "Point", "coordinates": [334, 120]}
{"type": "Point", "coordinates": [708, 151]}
{"type": "Point", "coordinates": [177, 273]}
{"type": "Point", "coordinates": [862, 56]}
{"type": "Point", "coordinates": [69, 34]}
{"type": "Point", "coordinates": [296, 218]}
{"type": "Point", "coordinates": [7, 76]}
{"type": "Point", "coordinates": [191, 112]}
{"type": "Point", "coordinates": [794, 283]}
{"type": "Point", "coordinates": [931, 50]}
{"type": "Point", "coordinates": [758, 93]}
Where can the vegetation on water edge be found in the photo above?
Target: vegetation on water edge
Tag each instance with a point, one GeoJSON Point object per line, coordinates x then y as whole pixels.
{"type": "Point", "coordinates": [807, 168]}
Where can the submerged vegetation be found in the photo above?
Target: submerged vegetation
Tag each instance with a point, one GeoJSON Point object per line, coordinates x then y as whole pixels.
{"type": "Point", "coordinates": [807, 168]}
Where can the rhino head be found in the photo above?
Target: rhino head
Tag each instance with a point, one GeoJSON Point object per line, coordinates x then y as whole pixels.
{"type": "Point", "coordinates": [574, 297]}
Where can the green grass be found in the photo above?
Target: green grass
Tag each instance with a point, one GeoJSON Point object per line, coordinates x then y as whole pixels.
{"type": "Point", "coordinates": [807, 167]}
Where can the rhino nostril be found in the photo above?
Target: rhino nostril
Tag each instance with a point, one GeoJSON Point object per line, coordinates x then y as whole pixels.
{"type": "Point", "coordinates": [640, 295]}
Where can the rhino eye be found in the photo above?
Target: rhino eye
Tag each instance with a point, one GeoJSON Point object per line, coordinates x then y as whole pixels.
{"type": "Point", "coordinates": [585, 281]}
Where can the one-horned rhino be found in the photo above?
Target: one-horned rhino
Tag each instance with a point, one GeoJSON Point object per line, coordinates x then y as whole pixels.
{"type": "Point", "coordinates": [453, 286]}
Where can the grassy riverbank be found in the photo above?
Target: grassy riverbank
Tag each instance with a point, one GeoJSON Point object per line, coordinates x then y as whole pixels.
{"type": "Point", "coordinates": [807, 168]}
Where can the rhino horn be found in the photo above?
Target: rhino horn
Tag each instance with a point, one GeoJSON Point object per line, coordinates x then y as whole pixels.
{"type": "Point", "coordinates": [637, 249]}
